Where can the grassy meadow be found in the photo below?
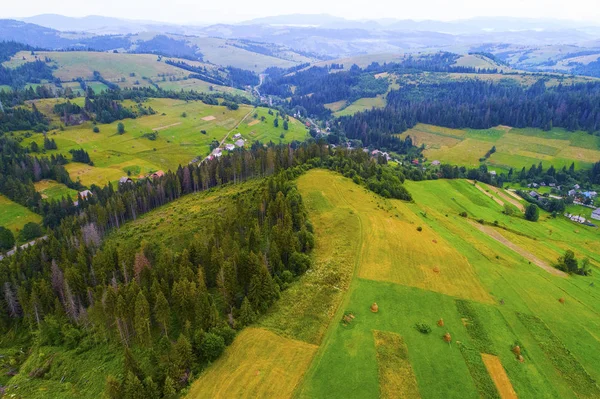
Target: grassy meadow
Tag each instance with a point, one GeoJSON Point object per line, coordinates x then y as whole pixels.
{"type": "Point", "coordinates": [519, 290]}
{"type": "Point", "coordinates": [180, 138]}
{"type": "Point", "coordinates": [14, 216]}
{"type": "Point", "coordinates": [52, 190]}
{"type": "Point", "coordinates": [514, 147]}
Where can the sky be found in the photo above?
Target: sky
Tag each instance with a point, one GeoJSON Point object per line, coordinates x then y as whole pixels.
{"type": "Point", "coordinates": [210, 11]}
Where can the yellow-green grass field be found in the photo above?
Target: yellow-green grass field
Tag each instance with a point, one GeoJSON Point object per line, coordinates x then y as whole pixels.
{"type": "Point", "coordinates": [362, 104]}
{"type": "Point", "coordinates": [52, 190]}
{"type": "Point", "coordinates": [14, 216]}
{"type": "Point", "coordinates": [515, 148]}
{"type": "Point", "coordinates": [113, 67]}
{"type": "Point", "coordinates": [259, 364]}
{"type": "Point", "coordinates": [524, 306]}
{"type": "Point", "coordinates": [180, 139]}
{"type": "Point", "coordinates": [199, 86]}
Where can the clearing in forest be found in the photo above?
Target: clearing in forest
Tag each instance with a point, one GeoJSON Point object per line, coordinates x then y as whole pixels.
{"type": "Point", "coordinates": [259, 364]}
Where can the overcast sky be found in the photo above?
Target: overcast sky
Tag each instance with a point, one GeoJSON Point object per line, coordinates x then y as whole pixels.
{"type": "Point", "coordinates": [185, 11]}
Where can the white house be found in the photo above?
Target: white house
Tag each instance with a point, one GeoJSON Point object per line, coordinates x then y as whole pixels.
{"type": "Point", "coordinates": [596, 214]}
{"type": "Point", "coordinates": [229, 147]}
{"type": "Point", "coordinates": [240, 143]}
{"type": "Point", "coordinates": [237, 136]}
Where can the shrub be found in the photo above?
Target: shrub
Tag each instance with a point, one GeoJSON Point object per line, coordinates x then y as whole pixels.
{"type": "Point", "coordinates": [532, 213]}
{"type": "Point", "coordinates": [419, 228]}
{"type": "Point", "coordinates": [120, 128]}
{"type": "Point", "coordinates": [96, 129]}
{"type": "Point", "coordinates": [423, 328]}
{"type": "Point", "coordinates": [30, 231]}
{"type": "Point", "coordinates": [463, 214]}
{"type": "Point", "coordinates": [212, 346]}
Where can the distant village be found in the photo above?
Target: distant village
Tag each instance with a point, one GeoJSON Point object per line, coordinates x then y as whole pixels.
{"type": "Point", "coordinates": [578, 196]}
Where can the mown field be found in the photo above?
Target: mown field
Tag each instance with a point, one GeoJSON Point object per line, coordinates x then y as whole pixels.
{"type": "Point", "coordinates": [490, 293]}
{"type": "Point", "coordinates": [52, 190]}
{"type": "Point", "coordinates": [180, 138]}
{"type": "Point", "coordinates": [514, 147]}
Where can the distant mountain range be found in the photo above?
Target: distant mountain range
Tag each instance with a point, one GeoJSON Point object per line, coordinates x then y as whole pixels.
{"type": "Point", "coordinates": [533, 44]}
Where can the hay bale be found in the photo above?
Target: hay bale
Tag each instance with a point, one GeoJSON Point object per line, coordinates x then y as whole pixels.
{"type": "Point", "coordinates": [440, 323]}
{"type": "Point", "coordinates": [434, 241]}
{"type": "Point", "coordinates": [447, 337]}
{"type": "Point", "coordinates": [436, 270]}
{"type": "Point", "coordinates": [521, 358]}
{"type": "Point", "coordinates": [517, 350]}
{"type": "Point", "coordinates": [374, 308]}
{"type": "Point", "coordinates": [561, 300]}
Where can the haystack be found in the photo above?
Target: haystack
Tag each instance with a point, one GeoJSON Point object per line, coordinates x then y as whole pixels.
{"type": "Point", "coordinates": [440, 323]}
{"type": "Point", "coordinates": [561, 300]}
{"type": "Point", "coordinates": [374, 308]}
{"type": "Point", "coordinates": [447, 337]}
{"type": "Point", "coordinates": [436, 270]}
{"type": "Point", "coordinates": [434, 241]}
{"type": "Point", "coordinates": [517, 350]}
{"type": "Point", "coordinates": [520, 358]}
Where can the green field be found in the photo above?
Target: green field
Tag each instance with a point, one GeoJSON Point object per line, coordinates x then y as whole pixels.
{"type": "Point", "coordinates": [52, 190]}
{"type": "Point", "coordinates": [14, 216]}
{"type": "Point", "coordinates": [179, 141]}
{"type": "Point", "coordinates": [504, 299]}
{"type": "Point", "coordinates": [515, 148]}
{"type": "Point", "coordinates": [362, 104]}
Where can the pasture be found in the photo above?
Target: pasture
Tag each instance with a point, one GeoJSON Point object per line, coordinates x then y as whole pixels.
{"type": "Point", "coordinates": [14, 216]}
{"type": "Point", "coordinates": [515, 148]}
{"type": "Point", "coordinates": [52, 190]}
{"type": "Point", "coordinates": [180, 138]}
{"type": "Point", "coordinates": [349, 359]}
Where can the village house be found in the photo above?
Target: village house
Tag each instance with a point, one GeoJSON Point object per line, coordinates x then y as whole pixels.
{"type": "Point", "coordinates": [436, 163]}
{"type": "Point", "coordinates": [125, 179]}
{"type": "Point", "coordinates": [83, 195]}
{"type": "Point", "coordinates": [237, 136]}
{"type": "Point", "coordinates": [572, 193]}
{"type": "Point", "coordinates": [533, 194]}
{"type": "Point", "coordinates": [493, 172]}
{"type": "Point", "coordinates": [229, 147]}
{"type": "Point", "coordinates": [577, 187]}
{"type": "Point", "coordinates": [157, 174]}
{"type": "Point", "coordinates": [240, 143]}
{"type": "Point", "coordinates": [596, 214]}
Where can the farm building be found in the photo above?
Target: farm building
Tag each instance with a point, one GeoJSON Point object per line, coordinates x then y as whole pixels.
{"type": "Point", "coordinates": [240, 143]}
{"type": "Point", "coordinates": [596, 214]}
{"type": "Point", "coordinates": [85, 193]}
{"type": "Point", "coordinates": [237, 136]}
{"type": "Point", "coordinates": [229, 147]}
{"type": "Point", "coordinates": [157, 174]}
{"type": "Point", "coordinates": [124, 180]}
{"type": "Point", "coordinates": [436, 163]}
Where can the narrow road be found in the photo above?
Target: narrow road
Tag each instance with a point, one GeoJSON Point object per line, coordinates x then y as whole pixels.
{"type": "Point", "coordinates": [229, 132]}
{"type": "Point", "coordinates": [26, 245]}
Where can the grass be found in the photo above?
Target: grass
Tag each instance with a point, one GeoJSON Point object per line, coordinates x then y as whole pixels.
{"type": "Point", "coordinates": [362, 104]}
{"type": "Point", "coordinates": [396, 377]}
{"type": "Point", "coordinates": [347, 359]}
{"type": "Point", "coordinates": [514, 147]}
{"type": "Point", "coordinates": [52, 190]}
{"type": "Point", "coordinates": [259, 364]}
{"type": "Point", "coordinates": [498, 374]}
{"type": "Point", "coordinates": [180, 139]}
{"type": "Point", "coordinates": [14, 216]}
{"type": "Point", "coordinates": [73, 373]}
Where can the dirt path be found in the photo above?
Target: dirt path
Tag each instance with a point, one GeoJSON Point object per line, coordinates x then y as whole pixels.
{"type": "Point", "coordinates": [498, 374]}
{"type": "Point", "coordinates": [229, 132]}
{"type": "Point", "coordinates": [498, 200]}
{"type": "Point", "coordinates": [157, 129]}
{"type": "Point", "coordinates": [505, 197]}
{"type": "Point", "coordinates": [490, 231]}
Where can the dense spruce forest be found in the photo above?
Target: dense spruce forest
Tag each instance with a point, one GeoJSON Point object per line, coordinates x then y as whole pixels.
{"type": "Point", "coordinates": [481, 105]}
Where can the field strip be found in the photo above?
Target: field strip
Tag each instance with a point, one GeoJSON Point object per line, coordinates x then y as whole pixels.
{"type": "Point", "coordinates": [502, 194]}
{"type": "Point", "coordinates": [526, 254]}
{"type": "Point", "coordinates": [498, 200]}
{"type": "Point", "coordinates": [259, 364]}
{"type": "Point", "coordinates": [498, 374]}
{"type": "Point", "coordinates": [396, 376]}
{"type": "Point", "coordinates": [256, 122]}
{"type": "Point", "coordinates": [157, 129]}
{"type": "Point", "coordinates": [514, 194]}
{"type": "Point", "coordinates": [209, 118]}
